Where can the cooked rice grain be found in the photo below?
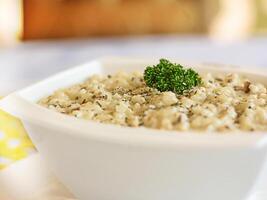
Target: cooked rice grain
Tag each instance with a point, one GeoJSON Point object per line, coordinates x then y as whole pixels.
{"type": "Point", "coordinates": [225, 103]}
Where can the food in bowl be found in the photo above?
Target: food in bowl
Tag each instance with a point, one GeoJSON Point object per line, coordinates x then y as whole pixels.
{"type": "Point", "coordinates": [139, 163]}
{"type": "Point", "coordinates": [169, 97]}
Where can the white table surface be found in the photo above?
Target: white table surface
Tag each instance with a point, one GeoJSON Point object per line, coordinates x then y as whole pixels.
{"type": "Point", "coordinates": [30, 179]}
{"type": "Point", "coordinates": [26, 63]}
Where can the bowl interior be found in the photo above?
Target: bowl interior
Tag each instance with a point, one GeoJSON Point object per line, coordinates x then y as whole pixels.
{"type": "Point", "coordinates": [26, 108]}
{"type": "Point", "coordinates": [113, 65]}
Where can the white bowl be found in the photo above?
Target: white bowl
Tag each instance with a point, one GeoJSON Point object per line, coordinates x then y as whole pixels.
{"type": "Point", "coordinates": [107, 162]}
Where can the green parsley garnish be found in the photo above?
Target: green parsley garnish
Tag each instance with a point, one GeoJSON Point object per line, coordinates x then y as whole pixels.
{"type": "Point", "coordinates": [167, 76]}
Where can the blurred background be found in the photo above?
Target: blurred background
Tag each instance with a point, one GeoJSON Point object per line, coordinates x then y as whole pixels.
{"type": "Point", "coordinates": [41, 37]}
{"type": "Point", "coordinates": [25, 20]}
{"type": "Point", "coordinates": [83, 18]}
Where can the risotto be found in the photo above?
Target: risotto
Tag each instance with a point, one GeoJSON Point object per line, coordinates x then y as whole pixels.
{"type": "Point", "coordinates": [221, 103]}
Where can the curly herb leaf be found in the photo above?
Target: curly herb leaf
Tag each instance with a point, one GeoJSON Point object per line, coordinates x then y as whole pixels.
{"type": "Point", "coordinates": [167, 76]}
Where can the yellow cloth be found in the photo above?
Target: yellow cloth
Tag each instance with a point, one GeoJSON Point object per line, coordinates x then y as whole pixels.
{"type": "Point", "coordinates": [14, 142]}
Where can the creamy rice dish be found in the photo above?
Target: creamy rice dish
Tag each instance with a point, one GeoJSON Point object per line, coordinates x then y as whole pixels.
{"type": "Point", "coordinates": [221, 103]}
